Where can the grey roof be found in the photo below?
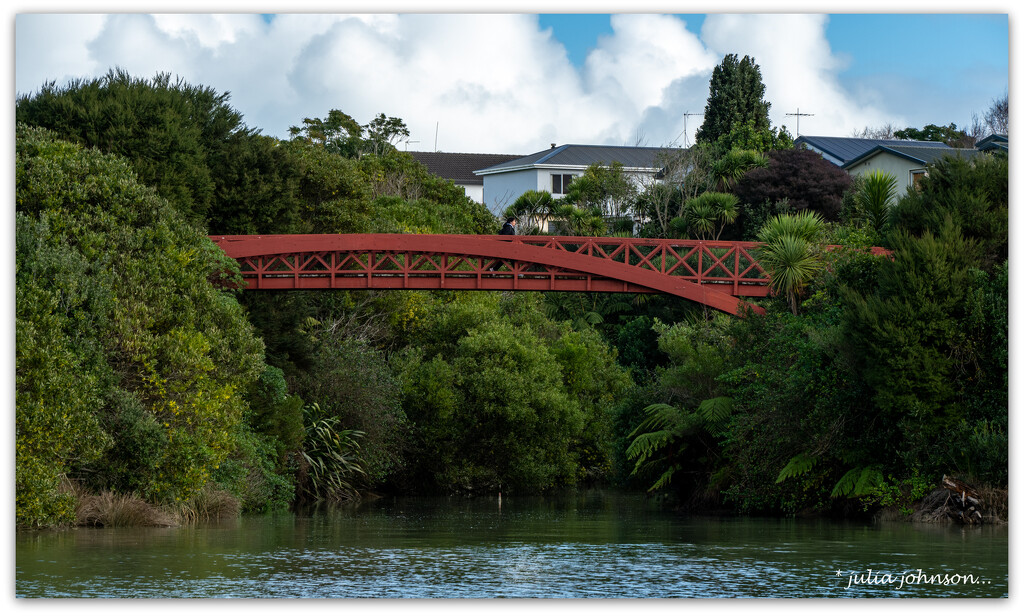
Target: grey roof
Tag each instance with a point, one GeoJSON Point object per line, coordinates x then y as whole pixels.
{"type": "Point", "coordinates": [582, 156]}
{"type": "Point", "coordinates": [915, 153]}
{"type": "Point", "coordinates": [459, 167]}
{"type": "Point", "coordinates": [846, 149]}
{"type": "Point", "coordinates": [994, 142]}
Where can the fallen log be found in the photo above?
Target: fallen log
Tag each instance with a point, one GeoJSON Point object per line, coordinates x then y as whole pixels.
{"type": "Point", "coordinates": [963, 503]}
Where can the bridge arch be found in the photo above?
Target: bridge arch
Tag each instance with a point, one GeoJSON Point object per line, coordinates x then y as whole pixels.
{"type": "Point", "coordinates": [716, 274]}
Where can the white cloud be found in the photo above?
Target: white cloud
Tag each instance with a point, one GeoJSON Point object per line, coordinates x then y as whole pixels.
{"type": "Point", "coordinates": [480, 82]}
{"type": "Point", "coordinates": [799, 71]}
{"type": "Point", "coordinates": [208, 30]}
{"type": "Point", "coordinates": [52, 48]}
{"type": "Point", "coordinates": [644, 56]}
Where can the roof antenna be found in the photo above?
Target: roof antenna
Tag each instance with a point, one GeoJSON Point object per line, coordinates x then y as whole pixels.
{"type": "Point", "coordinates": [686, 137]}
{"type": "Point", "coordinates": [438, 123]}
{"type": "Point", "coordinates": [798, 114]}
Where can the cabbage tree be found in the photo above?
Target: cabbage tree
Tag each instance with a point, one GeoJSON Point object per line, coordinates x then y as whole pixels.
{"type": "Point", "coordinates": [789, 252]}
{"type": "Point", "coordinates": [876, 194]}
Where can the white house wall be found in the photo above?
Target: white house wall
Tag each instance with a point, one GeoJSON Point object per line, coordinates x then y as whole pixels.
{"type": "Point", "coordinates": [899, 167]}
{"type": "Point", "coordinates": [500, 190]}
{"type": "Point", "coordinates": [474, 192]}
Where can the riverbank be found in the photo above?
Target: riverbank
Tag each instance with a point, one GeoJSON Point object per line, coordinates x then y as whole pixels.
{"type": "Point", "coordinates": [112, 510]}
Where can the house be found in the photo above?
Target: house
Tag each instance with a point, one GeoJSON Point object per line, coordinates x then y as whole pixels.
{"type": "Point", "coordinates": [993, 143]}
{"type": "Point", "coordinates": [459, 168]}
{"type": "Point", "coordinates": [841, 150]}
{"type": "Point", "coordinates": [553, 169]}
{"type": "Point", "coordinates": [908, 163]}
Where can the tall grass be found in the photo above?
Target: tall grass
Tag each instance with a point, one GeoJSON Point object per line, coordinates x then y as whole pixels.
{"type": "Point", "coordinates": [208, 504]}
{"type": "Point", "coordinates": [112, 510]}
{"type": "Point", "coordinates": [119, 510]}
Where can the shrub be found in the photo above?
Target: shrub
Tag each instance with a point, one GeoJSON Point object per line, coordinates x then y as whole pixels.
{"type": "Point", "coordinates": [130, 363]}
{"type": "Point", "coordinates": [801, 177]}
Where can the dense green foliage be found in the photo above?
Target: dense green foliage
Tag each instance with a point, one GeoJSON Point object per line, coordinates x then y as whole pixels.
{"type": "Point", "coordinates": [140, 372]}
{"type": "Point", "coordinates": [972, 193]}
{"type": "Point", "coordinates": [504, 398]}
{"type": "Point", "coordinates": [183, 140]}
{"type": "Point", "coordinates": [894, 373]}
{"type": "Point", "coordinates": [130, 361]}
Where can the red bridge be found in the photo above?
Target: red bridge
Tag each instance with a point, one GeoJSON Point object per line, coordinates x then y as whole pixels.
{"type": "Point", "coordinates": [716, 274]}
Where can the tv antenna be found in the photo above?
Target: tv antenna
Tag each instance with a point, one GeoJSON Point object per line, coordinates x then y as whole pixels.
{"type": "Point", "coordinates": [686, 114]}
{"type": "Point", "coordinates": [798, 114]}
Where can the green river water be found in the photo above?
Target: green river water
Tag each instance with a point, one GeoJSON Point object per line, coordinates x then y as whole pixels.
{"type": "Point", "coordinates": [587, 545]}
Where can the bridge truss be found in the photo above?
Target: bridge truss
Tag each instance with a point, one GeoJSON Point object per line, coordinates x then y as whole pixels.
{"type": "Point", "coordinates": [717, 274]}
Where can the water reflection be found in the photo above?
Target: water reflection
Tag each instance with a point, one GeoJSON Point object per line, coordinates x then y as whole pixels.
{"type": "Point", "coordinates": [588, 545]}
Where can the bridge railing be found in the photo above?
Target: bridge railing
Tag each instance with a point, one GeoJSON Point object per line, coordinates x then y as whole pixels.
{"type": "Point", "coordinates": [493, 262]}
{"type": "Point", "coordinates": [718, 263]}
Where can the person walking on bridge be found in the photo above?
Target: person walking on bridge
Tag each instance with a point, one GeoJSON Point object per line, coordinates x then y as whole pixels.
{"type": "Point", "coordinates": [509, 228]}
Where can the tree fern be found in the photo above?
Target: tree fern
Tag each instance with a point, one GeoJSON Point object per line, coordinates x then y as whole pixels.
{"type": "Point", "coordinates": [715, 411]}
{"type": "Point", "coordinates": [661, 431]}
{"type": "Point", "coordinates": [660, 438]}
{"type": "Point", "coordinates": [798, 465]}
{"type": "Point", "coordinates": [858, 481]}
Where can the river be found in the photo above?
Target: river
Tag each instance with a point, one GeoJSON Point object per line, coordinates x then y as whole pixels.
{"type": "Point", "coordinates": [587, 545]}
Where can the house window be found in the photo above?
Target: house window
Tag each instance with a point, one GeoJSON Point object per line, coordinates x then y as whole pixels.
{"type": "Point", "coordinates": [560, 183]}
{"type": "Point", "coordinates": [916, 177]}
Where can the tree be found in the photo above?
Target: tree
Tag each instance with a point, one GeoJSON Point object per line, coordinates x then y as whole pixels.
{"type": "Point", "coordinates": [338, 133]}
{"type": "Point", "coordinates": [950, 135]}
{"type": "Point", "coordinates": [789, 252]}
{"type": "Point", "coordinates": [736, 99]}
{"type": "Point", "coordinates": [355, 389]}
{"type": "Point", "coordinates": [736, 162]}
{"type": "Point", "coordinates": [532, 208]}
{"type": "Point", "coordinates": [384, 132]}
{"type": "Point", "coordinates": [998, 116]}
{"type": "Point", "coordinates": [685, 174]}
{"type": "Point", "coordinates": [177, 136]}
{"type": "Point", "coordinates": [875, 196]}
{"type": "Point", "coordinates": [921, 337]}
{"type": "Point", "coordinates": [973, 192]}
{"type": "Point", "coordinates": [885, 131]}
{"type": "Point", "coordinates": [125, 347]}
{"type": "Point", "coordinates": [801, 177]}
{"type": "Point", "coordinates": [707, 215]}
{"type": "Point", "coordinates": [605, 188]}
{"type": "Point", "coordinates": [747, 136]}
{"type": "Point", "coordinates": [341, 134]}
{"type": "Point", "coordinates": [683, 430]}
{"type": "Point", "coordinates": [503, 398]}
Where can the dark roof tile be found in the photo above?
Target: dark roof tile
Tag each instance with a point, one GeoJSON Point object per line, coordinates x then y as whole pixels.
{"type": "Point", "coordinates": [572, 155]}
{"type": "Point", "coordinates": [923, 155]}
{"type": "Point", "coordinates": [458, 167]}
{"type": "Point", "coordinates": [846, 149]}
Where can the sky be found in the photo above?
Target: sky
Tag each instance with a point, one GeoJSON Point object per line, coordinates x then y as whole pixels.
{"type": "Point", "coordinates": [515, 82]}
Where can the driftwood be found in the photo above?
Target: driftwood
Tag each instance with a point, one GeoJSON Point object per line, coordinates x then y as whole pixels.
{"type": "Point", "coordinates": [954, 500]}
{"type": "Point", "coordinates": [963, 504]}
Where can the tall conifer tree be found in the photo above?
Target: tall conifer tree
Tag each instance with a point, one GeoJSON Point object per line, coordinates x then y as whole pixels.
{"type": "Point", "coordinates": [736, 99]}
